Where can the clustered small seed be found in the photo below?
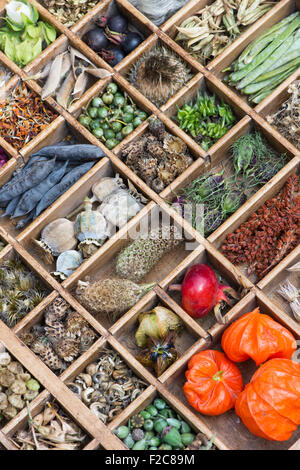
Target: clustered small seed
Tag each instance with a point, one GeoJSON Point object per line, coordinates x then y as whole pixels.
{"type": "Point", "coordinates": [269, 234]}
{"type": "Point", "coordinates": [69, 12]}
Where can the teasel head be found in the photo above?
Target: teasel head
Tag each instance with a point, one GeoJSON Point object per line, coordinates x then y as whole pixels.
{"type": "Point", "coordinates": [159, 74]}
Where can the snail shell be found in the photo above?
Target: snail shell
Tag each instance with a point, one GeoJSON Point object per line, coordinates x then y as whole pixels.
{"type": "Point", "coordinates": [67, 263]}
{"type": "Point", "coordinates": [90, 229]}
{"type": "Point", "coordinates": [119, 207]}
{"type": "Point", "coordinates": [56, 238]}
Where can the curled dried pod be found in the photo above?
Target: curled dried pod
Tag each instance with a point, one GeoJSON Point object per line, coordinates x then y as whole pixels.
{"type": "Point", "coordinates": [86, 378]}
{"type": "Point", "coordinates": [92, 368]}
{"type": "Point", "coordinates": [87, 395]}
{"type": "Point", "coordinates": [3, 401]}
{"type": "Point", "coordinates": [5, 359]}
{"type": "Point", "coordinates": [56, 238]}
{"type": "Point", "coordinates": [97, 408]}
{"type": "Point", "coordinates": [75, 388]}
{"type": "Point", "coordinates": [15, 367]}
{"type": "Point", "coordinates": [16, 401]}
{"type": "Point", "coordinates": [18, 387]}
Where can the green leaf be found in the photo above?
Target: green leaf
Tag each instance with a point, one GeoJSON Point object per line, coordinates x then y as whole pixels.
{"type": "Point", "coordinates": [49, 32]}
{"type": "Point", "coordinates": [37, 48]}
{"type": "Point", "coordinates": [10, 49]}
{"type": "Point", "coordinates": [34, 32]}
{"type": "Point", "coordinates": [14, 26]}
{"type": "Point", "coordinates": [27, 21]}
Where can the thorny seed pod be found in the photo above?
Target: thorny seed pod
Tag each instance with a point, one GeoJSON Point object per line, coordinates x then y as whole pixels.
{"type": "Point", "coordinates": [90, 229]}
{"type": "Point", "coordinates": [66, 264]}
{"type": "Point", "coordinates": [56, 238]}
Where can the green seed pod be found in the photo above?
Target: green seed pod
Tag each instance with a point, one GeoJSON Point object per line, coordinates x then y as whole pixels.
{"type": "Point", "coordinates": [140, 445]}
{"type": "Point", "coordinates": [174, 422]}
{"type": "Point", "coordinates": [184, 427]}
{"type": "Point", "coordinates": [159, 404]}
{"type": "Point", "coordinates": [122, 432]}
{"type": "Point", "coordinates": [128, 441]}
{"type": "Point", "coordinates": [187, 438]}
{"type": "Point", "coordinates": [152, 410]}
{"type": "Point", "coordinates": [148, 425]}
{"type": "Point", "coordinates": [171, 436]}
{"type": "Point", "coordinates": [33, 385]}
{"type": "Point", "coordinates": [160, 424]}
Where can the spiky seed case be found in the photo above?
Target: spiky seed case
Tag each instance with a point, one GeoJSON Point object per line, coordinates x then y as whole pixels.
{"type": "Point", "coordinates": [159, 74]}
{"type": "Point", "coordinates": [110, 298]}
{"type": "Point", "coordinates": [140, 257]}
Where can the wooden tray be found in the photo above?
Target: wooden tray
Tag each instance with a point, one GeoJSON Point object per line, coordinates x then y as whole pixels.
{"type": "Point", "coordinates": [196, 335]}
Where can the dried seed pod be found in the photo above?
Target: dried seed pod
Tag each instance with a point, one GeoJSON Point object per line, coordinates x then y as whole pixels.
{"type": "Point", "coordinates": [90, 229]}
{"type": "Point", "coordinates": [30, 395]}
{"type": "Point", "coordinates": [119, 207]}
{"type": "Point", "coordinates": [16, 401]}
{"type": "Point", "coordinates": [5, 358]}
{"type": "Point", "coordinates": [6, 378]}
{"type": "Point", "coordinates": [10, 412]}
{"type": "Point", "coordinates": [15, 367]}
{"type": "Point", "coordinates": [18, 387]}
{"type": "Point", "coordinates": [110, 297]}
{"type": "Point", "coordinates": [66, 264]}
{"type": "Point", "coordinates": [56, 238]}
{"type": "Point", "coordinates": [140, 257]}
{"type": "Point", "coordinates": [3, 401]}
{"type": "Point", "coordinates": [104, 187]}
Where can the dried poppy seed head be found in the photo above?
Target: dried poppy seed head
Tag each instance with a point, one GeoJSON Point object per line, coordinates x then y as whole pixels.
{"type": "Point", "coordinates": [159, 74]}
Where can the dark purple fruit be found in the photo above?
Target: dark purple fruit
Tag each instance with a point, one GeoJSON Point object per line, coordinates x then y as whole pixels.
{"type": "Point", "coordinates": [96, 39]}
{"type": "Point", "coordinates": [113, 55]}
{"type": "Point", "coordinates": [131, 41]}
{"type": "Point", "coordinates": [117, 23]}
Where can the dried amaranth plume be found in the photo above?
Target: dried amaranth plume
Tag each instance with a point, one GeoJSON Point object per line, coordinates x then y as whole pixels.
{"type": "Point", "coordinates": [138, 259]}
{"type": "Point", "coordinates": [110, 298]}
{"type": "Point", "coordinates": [159, 74]}
{"type": "Point", "coordinates": [20, 291]}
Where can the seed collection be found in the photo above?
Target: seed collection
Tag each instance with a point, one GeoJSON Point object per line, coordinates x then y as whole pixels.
{"type": "Point", "coordinates": [18, 387]}
{"type": "Point", "coordinates": [112, 116]}
{"type": "Point", "coordinates": [113, 38]}
{"type": "Point", "coordinates": [149, 225]}
{"type": "Point", "coordinates": [209, 31]}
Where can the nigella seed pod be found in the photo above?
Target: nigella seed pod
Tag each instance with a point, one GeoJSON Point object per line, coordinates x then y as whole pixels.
{"type": "Point", "coordinates": [56, 238]}
{"type": "Point", "coordinates": [90, 229]}
{"type": "Point", "coordinates": [66, 264]}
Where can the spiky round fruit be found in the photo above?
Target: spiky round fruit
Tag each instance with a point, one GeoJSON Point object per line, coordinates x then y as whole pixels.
{"type": "Point", "coordinates": [159, 74]}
